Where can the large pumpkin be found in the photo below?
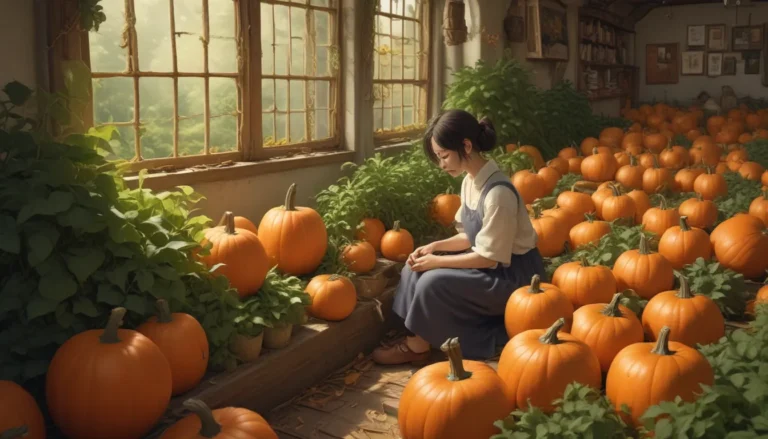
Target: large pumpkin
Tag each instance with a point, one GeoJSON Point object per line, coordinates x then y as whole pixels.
{"type": "Point", "coordinates": [537, 365]}
{"type": "Point", "coordinates": [645, 374]}
{"type": "Point", "coordinates": [294, 237]}
{"type": "Point", "coordinates": [454, 399]}
{"type": "Point", "coordinates": [607, 329]}
{"type": "Point", "coordinates": [739, 244]}
{"type": "Point", "coordinates": [691, 318]}
{"type": "Point", "coordinates": [397, 244]}
{"type": "Point", "coordinates": [645, 272]}
{"type": "Point", "coordinates": [656, 179]}
{"type": "Point", "coordinates": [710, 185]}
{"type": "Point", "coordinates": [584, 283]}
{"type": "Point", "coordinates": [682, 245]}
{"type": "Point", "coordinates": [600, 166]}
{"type": "Point", "coordinates": [223, 423]}
{"type": "Point", "coordinates": [111, 383]}
{"type": "Point", "coordinates": [183, 342]}
{"type": "Point", "coordinates": [18, 408]}
{"type": "Point", "coordinates": [536, 307]}
{"type": "Point", "coordinates": [552, 233]}
{"type": "Point", "coordinates": [530, 185]}
{"type": "Point", "coordinates": [333, 297]}
{"type": "Point", "coordinates": [444, 208]}
{"type": "Point", "coordinates": [244, 259]}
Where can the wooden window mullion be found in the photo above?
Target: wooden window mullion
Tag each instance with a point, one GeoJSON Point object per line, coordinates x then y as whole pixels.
{"type": "Point", "coordinates": [175, 81]}
{"type": "Point", "coordinates": [206, 40]}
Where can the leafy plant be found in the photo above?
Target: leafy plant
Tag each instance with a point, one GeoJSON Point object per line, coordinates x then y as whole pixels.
{"type": "Point", "coordinates": [757, 150]}
{"type": "Point", "coordinates": [510, 162]}
{"type": "Point", "coordinates": [582, 412]}
{"type": "Point", "coordinates": [724, 286]}
{"type": "Point", "coordinates": [740, 194]}
{"type": "Point", "coordinates": [281, 299]}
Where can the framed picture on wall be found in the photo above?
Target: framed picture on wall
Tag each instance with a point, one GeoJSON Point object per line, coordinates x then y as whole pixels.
{"type": "Point", "coordinates": [547, 29]}
{"type": "Point", "coordinates": [692, 62]}
{"type": "Point", "coordinates": [747, 38]}
{"type": "Point", "coordinates": [661, 63]}
{"type": "Point", "coordinates": [752, 62]}
{"type": "Point", "coordinates": [730, 61]}
{"type": "Point", "coordinates": [697, 35]}
{"type": "Point", "coordinates": [714, 64]}
{"type": "Point", "coordinates": [716, 41]}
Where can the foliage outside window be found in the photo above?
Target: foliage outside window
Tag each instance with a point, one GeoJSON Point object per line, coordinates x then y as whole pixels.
{"type": "Point", "coordinates": [400, 69]}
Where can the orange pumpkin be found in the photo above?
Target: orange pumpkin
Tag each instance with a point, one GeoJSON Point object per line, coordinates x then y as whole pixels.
{"type": "Point", "coordinates": [760, 299]}
{"type": "Point", "coordinates": [444, 208]}
{"type": "Point", "coordinates": [359, 257]}
{"type": "Point", "coordinates": [456, 390]}
{"type": "Point", "coordinates": [631, 176]}
{"type": "Point", "coordinates": [598, 197]}
{"type": "Point", "coordinates": [183, 342]}
{"type": "Point", "coordinates": [599, 166]}
{"type": "Point", "coordinates": [674, 157]}
{"type": "Point", "coordinates": [655, 142]}
{"type": "Point", "coordinates": [552, 233]}
{"type": "Point", "coordinates": [701, 213]}
{"type": "Point", "coordinates": [223, 423]}
{"type": "Point", "coordinates": [611, 137]}
{"type": "Point", "coordinates": [566, 217]}
{"type": "Point", "coordinates": [739, 244]}
{"type": "Point", "coordinates": [643, 271]}
{"type": "Point", "coordinates": [588, 232]}
{"type": "Point", "coordinates": [244, 257]}
{"type": "Point", "coordinates": [692, 318]}
{"type": "Point", "coordinates": [574, 165]}
{"type": "Point", "coordinates": [607, 329]}
{"type": "Point", "coordinates": [656, 179]}
{"type": "Point", "coordinates": [682, 245]}
{"type": "Point", "coordinates": [371, 230]}
{"type": "Point", "coordinates": [759, 207]}
{"type": "Point", "coordinates": [584, 283]}
{"type": "Point", "coordinates": [588, 146]}
{"type": "Point", "coordinates": [19, 409]}
{"type": "Point", "coordinates": [684, 178]}
{"type": "Point", "coordinates": [294, 237]}
{"type": "Point", "coordinates": [534, 153]}
{"type": "Point", "coordinates": [618, 206]}
{"type": "Point", "coordinates": [97, 376]}
{"type": "Point", "coordinates": [575, 201]}
{"type": "Point", "coordinates": [536, 307]}
{"type": "Point", "coordinates": [645, 374]}
{"type": "Point", "coordinates": [241, 222]}
{"type": "Point", "coordinates": [764, 178]}
{"type": "Point", "coordinates": [555, 359]}
{"type": "Point", "coordinates": [333, 297]}
{"type": "Point", "coordinates": [560, 164]}
{"type": "Point", "coordinates": [710, 185]}
{"type": "Point", "coordinates": [530, 185]}
{"type": "Point", "coordinates": [659, 219]}
{"type": "Point", "coordinates": [397, 244]}
{"type": "Point", "coordinates": [642, 204]}
{"type": "Point", "coordinates": [568, 152]}
{"type": "Point", "coordinates": [751, 171]}
{"type": "Point", "coordinates": [550, 177]}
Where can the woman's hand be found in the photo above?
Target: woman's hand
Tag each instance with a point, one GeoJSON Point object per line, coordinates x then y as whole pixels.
{"type": "Point", "coordinates": [421, 251]}
{"type": "Point", "coordinates": [426, 262]}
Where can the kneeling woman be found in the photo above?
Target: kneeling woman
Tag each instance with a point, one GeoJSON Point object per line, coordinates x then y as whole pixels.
{"type": "Point", "coordinates": [464, 295]}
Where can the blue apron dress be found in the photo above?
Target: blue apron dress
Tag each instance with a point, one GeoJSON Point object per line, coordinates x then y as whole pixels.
{"type": "Point", "coordinates": [467, 303]}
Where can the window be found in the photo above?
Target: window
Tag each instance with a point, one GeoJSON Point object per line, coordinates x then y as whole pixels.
{"type": "Point", "coordinates": [401, 69]}
{"type": "Point", "coordinates": [182, 79]}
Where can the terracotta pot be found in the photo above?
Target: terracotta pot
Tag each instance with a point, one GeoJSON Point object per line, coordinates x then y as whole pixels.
{"type": "Point", "coordinates": [247, 349]}
{"type": "Point", "coordinates": [278, 337]}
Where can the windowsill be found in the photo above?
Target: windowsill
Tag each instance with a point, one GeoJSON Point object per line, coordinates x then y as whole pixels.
{"type": "Point", "coordinates": [239, 170]}
{"type": "Point", "coordinates": [394, 147]}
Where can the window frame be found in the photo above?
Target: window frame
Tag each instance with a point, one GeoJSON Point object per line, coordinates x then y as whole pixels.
{"type": "Point", "coordinates": [389, 139]}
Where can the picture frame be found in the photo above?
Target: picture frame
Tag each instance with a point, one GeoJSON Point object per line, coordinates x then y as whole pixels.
{"type": "Point", "coordinates": [716, 41]}
{"type": "Point", "coordinates": [714, 64]}
{"type": "Point", "coordinates": [662, 63]}
{"type": "Point", "coordinates": [692, 63]}
{"type": "Point", "coordinates": [546, 27]}
{"type": "Point", "coordinates": [730, 63]}
{"type": "Point", "coordinates": [751, 62]}
{"type": "Point", "coordinates": [747, 38]}
{"type": "Point", "coordinates": [697, 35]}
{"type": "Point", "coordinates": [514, 22]}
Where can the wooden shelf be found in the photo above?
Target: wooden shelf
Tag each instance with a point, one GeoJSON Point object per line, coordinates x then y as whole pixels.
{"type": "Point", "coordinates": [609, 66]}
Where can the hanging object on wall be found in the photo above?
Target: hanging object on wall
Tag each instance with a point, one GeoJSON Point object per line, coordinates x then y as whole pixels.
{"type": "Point", "coordinates": [454, 25]}
{"type": "Point", "coordinates": [514, 22]}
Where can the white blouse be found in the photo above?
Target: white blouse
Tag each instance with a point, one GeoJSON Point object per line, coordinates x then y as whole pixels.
{"type": "Point", "coordinates": [506, 229]}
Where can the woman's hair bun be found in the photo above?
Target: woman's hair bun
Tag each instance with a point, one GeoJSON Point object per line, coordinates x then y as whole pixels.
{"type": "Point", "coordinates": [487, 139]}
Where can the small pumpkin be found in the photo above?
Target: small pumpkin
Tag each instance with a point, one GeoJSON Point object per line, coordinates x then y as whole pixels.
{"type": "Point", "coordinates": [359, 257]}
{"type": "Point", "coordinates": [555, 359]}
{"type": "Point", "coordinates": [536, 306]}
{"type": "Point", "coordinates": [701, 213]}
{"type": "Point", "coordinates": [584, 283]}
{"type": "Point", "coordinates": [458, 390]}
{"type": "Point", "coordinates": [294, 237]}
{"type": "Point", "coordinates": [444, 208]}
{"type": "Point", "coordinates": [18, 408]}
{"type": "Point", "coordinates": [674, 157]}
{"type": "Point", "coordinates": [588, 232]}
{"type": "Point", "coordinates": [371, 230]}
{"type": "Point", "coordinates": [759, 207]}
{"type": "Point", "coordinates": [575, 201]}
{"type": "Point", "coordinates": [334, 297]}
{"type": "Point", "coordinates": [618, 206]}
{"type": "Point", "coordinates": [574, 165]}
{"type": "Point", "coordinates": [760, 299]}
{"type": "Point", "coordinates": [710, 185]}
{"type": "Point", "coordinates": [560, 164]}
{"type": "Point", "coordinates": [598, 197]}
{"type": "Point", "coordinates": [642, 204]}
{"type": "Point", "coordinates": [183, 342]}
{"type": "Point", "coordinates": [682, 245]}
{"type": "Point", "coordinates": [631, 176]}
{"type": "Point", "coordinates": [751, 171]}
{"type": "Point", "coordinates": [645, 374]}
{"type": "Point", "coordinates": [657, 179]}
{"type": "Point", "coordinates": [104, 374]}
{"type": "Point", "coordinates": [588, 146]}
{"type": "Point", "coordinates": [241, 222]}
{"type": "Point", "coordinates": [692, 318]}
{"type": "Point", "coordinates": [223, 423]}
{"type": "Point", "coordinates": [530, 185]}
{"type": "Point", "coordinates": [643, 271]}
{"type": "Point", "coordinates": [600, 166]}
{"type": "Point", "coordinates": [244, 257]}
{"type": "Point", "coordinates": [684, 178]}
{"type": "Point", "coordinates": [552, 233]}
{"type": "Point", "coordinates": [659, 219]}
{"type": "Point", "coordinates": [568, 152]}
{"type": "Point", "coordinates": [607, 329]}
{"type": "Point", "coordinates": [739, 243]}
{"type": "Point", "coordinates": [397, 244]}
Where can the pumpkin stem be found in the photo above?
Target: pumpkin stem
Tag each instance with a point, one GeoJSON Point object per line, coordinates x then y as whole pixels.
{"type": "Point", "coordinates": [662, 344]}
{"type": "Point", "coordinates": [615, 190]}
{"type": "Point", "coordinates": [583, 260]}
{"type": "Point", "coordinates": [229, 223]}
{"type": "Point", "coordinates": [550, 337]}
{"type": "Point", "coordinates": [590, 216]}
{"type": "Point", "coordinates": [396, 226]}
{"type": "Point", "coordinates": [15, 432]}
{"type": "Point", "coordinates": [290, 197]}
{"type": "Point", "coordinates": [110, 331]}
{"type": "Point", "coordinates": [163, 311]}
{"type": "Point", "coordinates": [685, 290]}
{"type": "Point", "coordinates": [535, 284]}
{"type": "Point", "coordinates": [594, 151]}
{"type": "Point", "coordinates": [333, 277]}
{"type": "Point", "coordinates": [612, 309]}
{"type": "Point", "coordinates": [536, 210]}
{"type": "Point", "coordinates": [684, 223]}
{"type": "Point", "coordinates": [452, 349]}
{"type": "Point", "coordinates": [632, 160]}
{"type": "Point", "coordinates": [662, 202]}
{"type": "Point", "coordinates": [644, 250]}
{"type": "Point", "coordinates": [210, 428]}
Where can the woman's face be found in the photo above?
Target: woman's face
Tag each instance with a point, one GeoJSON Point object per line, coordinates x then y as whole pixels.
{"type": "Point", "coordinates": [449, 161]}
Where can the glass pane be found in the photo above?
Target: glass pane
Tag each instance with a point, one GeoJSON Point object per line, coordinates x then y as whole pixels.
{"type": "Point", "coordinates": [112, 100]}
{"type": "Point", "coordinates": [281, 123]}
{"type": "Point", "coordinates": [156, 115]}
{"type": "Point", "coordinates": [153, 35]}
{"type": "Point", "coordinates": [408, 94]}
{"type": "Point", "coordinates": [297, 96]}
{"type": "Point", "coordinates": [384, 5]}
{"type": "Point", "coordinates": [191, 97]}
{"type": "Point", "coordinates": [221, 14]}
{"type": "Point", "coordinates": [192, 136]}
{"type": "Point", "coordinates": [322, 94]}
{"type": "Point", "coordinates": [156, 138]}
{"type": "Point", "coordinates": [322, 28]}
{"type": "Point", "coordinates": [124, 146]}
{"type": "Point", "coordinates": [282, 38]}
{"type": "Point", "coordinates": [223, 134]}
{"type": "Point", "coordinates": [281, 94]}
{"type": "Point", "coordinates": [267, 95]}
{"type": "Point", "coordinates": [387, 119]}
{"type": "Point", "coordinates": [383, 27]}
{"type": "Point", "coordinates": [322, 128]}
{"type": "Point", "coordinates": [303, 2]}
{"type": "Point", "coordinates": [268, 125]}
{"type": "Point", "coordinates": [410, 67]}
{"type": "Point", "coordinates": [298, 125]}
{"type": "Point", "coordinates": [106, 53]}
{"type": "Point", "coordinates": [298, 40]}
{"type": "Point", "coordinates": [397, 7]}
{"type": "Point", "coordinates": [378, 119]}
{"type": "Point", "coordinates": [376, 58]}
{"type": "Point", "coordinates": [322, 62]}
{"type": "Point", "coordinates": [408, 116]}
{"type": "Point", "coordinates": [397, 68]}
{"type": "Point", "coordinates": [397, 95]}
{"type": "Point", "coordinates": [410, 35]}
{"type": "Point", "coordinates": [410, 8]}
{"type": "Point", "coordinates": [223, 98]}
{"type": "Point", "coordinates": [222, 49]}
{"type": "Point", "coordinates": [189, 31]}
{"type": "Point", "coordinates": [267, 53]}
{"type": "Point", "coordinates": [325, 3]}
{"type": "Point", "coordinates": [396, 118]}
{"type": "Point", "coordinates": [385, 58]}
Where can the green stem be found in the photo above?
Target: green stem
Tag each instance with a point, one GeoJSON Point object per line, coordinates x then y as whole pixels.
{"type": "Point", "coordinates": [536, 210]}
{"type": "Point", "coordinates": [163, 311]}
{"type": "Point", "coordinates": [662, 344]}
{"type": "Point", "coordinates": [615, 190]}
{"type": "Point", "coordinates": [396, 226]}
{"type": "Point", "coordinates": [684, 223]}
{"type": "Point", "coordinates": [452, 349]}
{"type": "Point", "coordinates": [662, 202]}
{"type": "Point", "coordinates": [535, 285]}
{"type": "Point", "coordinates": [644, 250]}
{"type": "Point", "coordinates": [685, 290]}
{"type": "Point", "coordinates": [590, 217]}
{"type": "Point", "coordinates": [14, 433]}
{"type": "Point", "coordinates": [550, 337]}
{"type": "Point", "coordinates": [612, 309]}
{"type": "Point", "coordinates": [210, 428]}
{"type": "Point", "coordinates": [333, 277]}
{"type": "Point", "coordinates": [110, 331]}
{"type": "Point", "coordinates": [583, 260]}
{"type": "Point", "coordinates": [290, 197]}
{"type": "Point", "coordinates": [632, 160]}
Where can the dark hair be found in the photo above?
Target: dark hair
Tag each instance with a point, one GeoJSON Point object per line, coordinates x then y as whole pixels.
{"type": "Point", "coordinates": [449, 129]}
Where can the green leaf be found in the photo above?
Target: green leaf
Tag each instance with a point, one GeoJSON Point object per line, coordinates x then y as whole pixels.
{"type": "Point", "coordinates": [40, 247]}
{"type": "Point", "coordinates": [39, 307]}
{"type": "Point", "coordinates": [57, 284]}
{"type": "Point", "coordinates": [110, 295]}
{"type": "Point", "coordinates": [9, 238]}
{"type": "Point", "coordinates": [83, 262]}
{"type": "Point", "coordinates": [145, 280]}
{"type": "Point", "coordinates": [85, 306]}
{"type": "Point", "coordinates": [136, 304]}
{"type": "Point", "coordinates": [17, 93]}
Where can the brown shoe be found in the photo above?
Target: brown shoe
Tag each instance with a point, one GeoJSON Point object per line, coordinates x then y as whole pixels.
{"type": "Point", "coordinates": [399, 353]}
